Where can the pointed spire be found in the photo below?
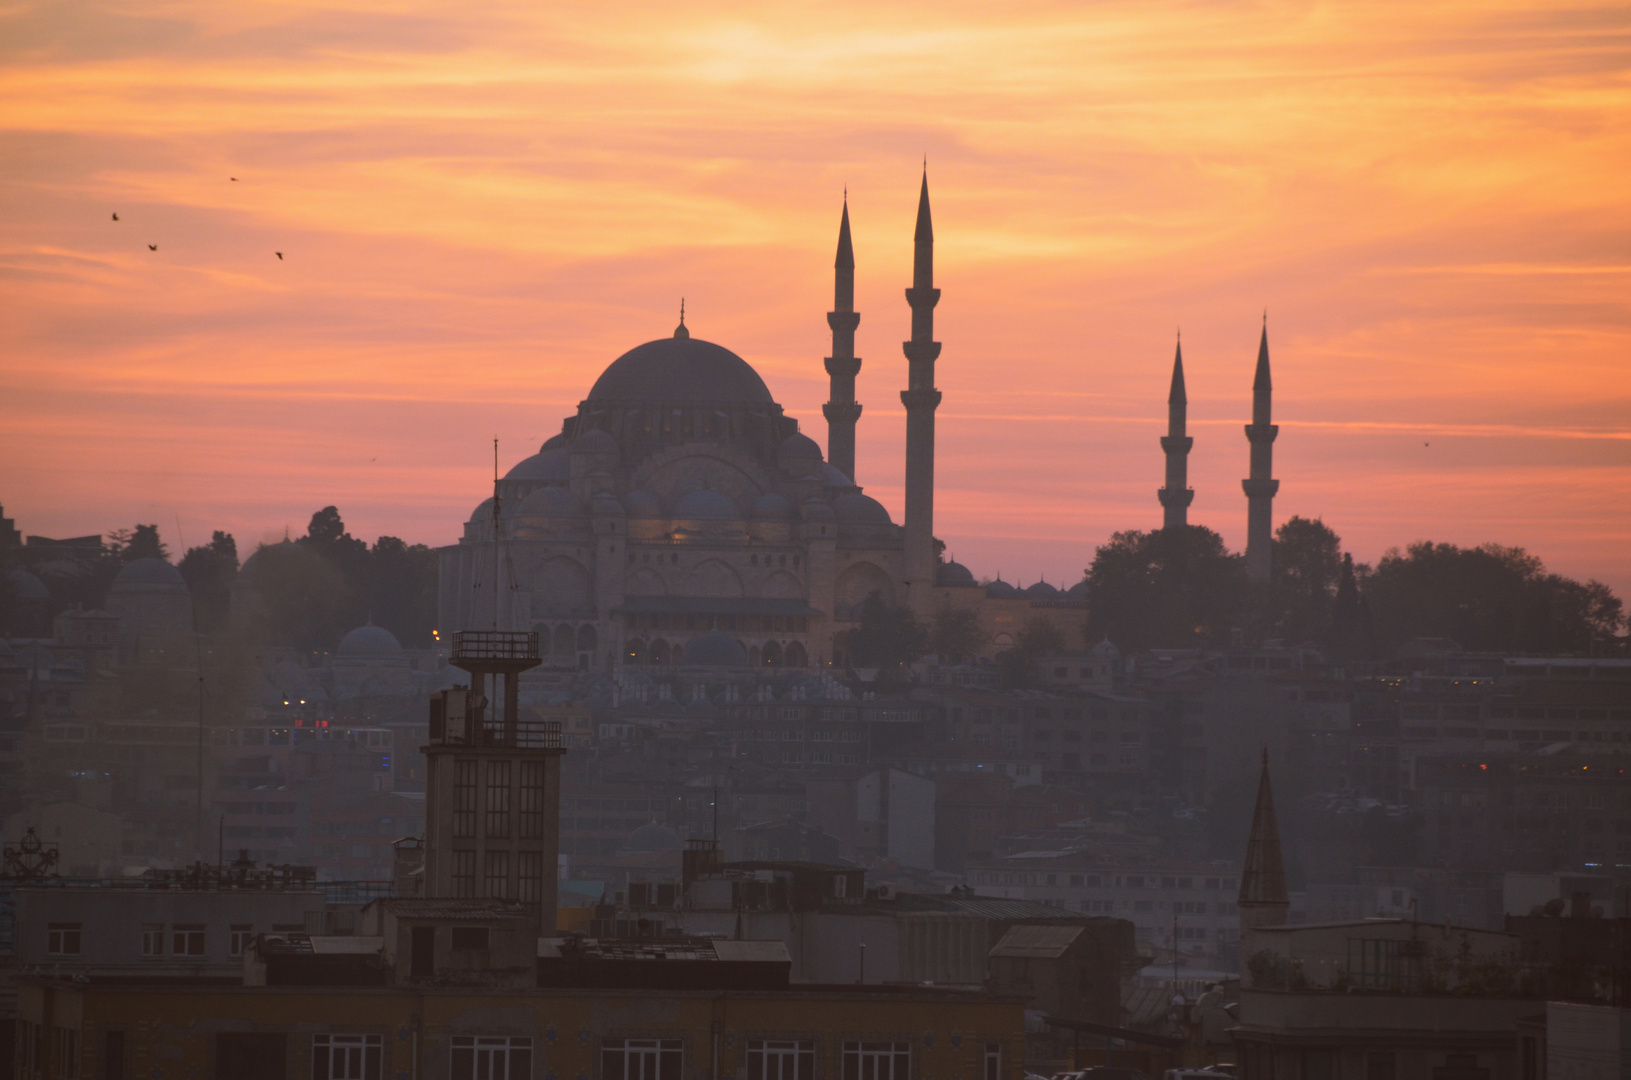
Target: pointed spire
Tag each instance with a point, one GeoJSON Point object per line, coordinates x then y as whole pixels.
{"type": "Point", "coordinates": [1263, 876]}
{"type": "Point", "coordinates": [1261, 383]}
{"type": "Point", "coordinates": [680, 331]}
{"type": "Point", "coordinates": [925, 227]}
{"type": "Point", "coordinates": [1177, 396]}
{"type": "Point", "coordinates": [846, 254]}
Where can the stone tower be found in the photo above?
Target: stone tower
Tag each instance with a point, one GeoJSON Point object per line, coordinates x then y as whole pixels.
{"type": "Point", "coordinates": [1261, 486]}
{"type": "Point", "coordinates": [921, 400]}
{"type": "Point", "coordinates": [1263, 899]}
{"type": "Point", "coordinates": [843, 365]}
{"type": "Point", "coordinates": [1176, 496]}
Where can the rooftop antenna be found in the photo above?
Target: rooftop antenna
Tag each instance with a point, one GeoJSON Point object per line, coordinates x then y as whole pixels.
{"type": "Point", "coordinates": [495, 533]}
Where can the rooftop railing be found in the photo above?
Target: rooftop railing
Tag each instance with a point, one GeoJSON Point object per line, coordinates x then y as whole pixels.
{"type": "Point", "coordinates": [502, 645]}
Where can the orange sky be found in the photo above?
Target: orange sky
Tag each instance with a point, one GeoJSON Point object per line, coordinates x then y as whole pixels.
{"type": "Point", "coordinates": [480, 206]}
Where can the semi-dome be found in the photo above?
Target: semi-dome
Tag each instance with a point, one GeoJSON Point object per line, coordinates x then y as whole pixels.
{"type": "Point", "coordinates": [605, 504]}
{"type": "Point", "coordinates": [554, 442]}
{"type": "Point", "coordinates": [594, 441]}
{"type": "Point", "coordinates": [833, 477]}
{"type": "Point", "coordinates": [370, 640]}
{"type": "Point", "coordinates": [704, 504]}
{"type": "Point", "coordinates": [547, 466]}
{"type": "Point", "coordinates": [652, 837]}
{"type": "Point", "coordinates": [773, 507]}
{"type": "Point", "coordinates": [482, 512]}
{"type": "Point", "coordinates": [1042, 591]}
{"type": "Point", "coordinates": [643, 504]}
{"type": "Point", "coordinates": [549, 502]}
{"type": "Point", "coordinates": [715, 649]}
{"type": "Point", "coordinates": [858, 509]}
{"type": "Point", "coordinates": [148, 571]}
{"type": "Point", "coordinates": [816, 510]}
{"type": "Point", "coordinates": [799, 447]}
{"type": "Point", "coordinates": [25, 586]}
{"type": "Point", "coordinates": [954, 574]}
{"type": "Point", "coordinates": [1000, 588]}
{"type": "Point", "coordinates": [681, 369]}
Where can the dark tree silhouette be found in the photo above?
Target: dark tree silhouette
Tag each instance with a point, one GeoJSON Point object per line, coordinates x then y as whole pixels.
{"type": "Point", "coordinates": [140, 542]}
{"type": "Point", "coordinates": [1037, 638]}
{"type": "Point", "coordinates": [1171, 587]}
{"type": "Point", "coordinates": [956, 636]}
{"type": "Point", "coordinates": [1307, 569]}
{"type": "Point", "coordinates": [209, 572]}
{"type": "Point", "coordinates": [887, 637]}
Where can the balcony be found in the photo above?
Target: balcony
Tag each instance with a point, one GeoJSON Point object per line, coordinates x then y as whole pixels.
{"type": "Point", "coordinates": [500, 647]}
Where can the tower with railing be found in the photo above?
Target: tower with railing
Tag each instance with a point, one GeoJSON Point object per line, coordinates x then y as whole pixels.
{"type": "Point", "coordinates": [492, 786]}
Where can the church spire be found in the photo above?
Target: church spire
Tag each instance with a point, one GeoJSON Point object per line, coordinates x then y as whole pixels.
{"type": "Point", "coordinates": [921, 400]}
{"type": "Point", "coordinates": [1176, 443]}
{"type": "Point", "coordinates": [1263, 898]}
{"type": "Point", "coordinates": [842, 410]}
{"type": "Point", "coordinates": [1261, 487]}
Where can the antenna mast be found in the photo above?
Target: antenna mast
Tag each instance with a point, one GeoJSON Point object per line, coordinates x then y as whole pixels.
{"type": "Point", "coordinates": [495, 532]}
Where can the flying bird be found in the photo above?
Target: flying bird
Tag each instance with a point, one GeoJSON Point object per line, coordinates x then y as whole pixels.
{"type": "Point", "coordinates": [152, 247]}
{"type": "Point", "coordinates": [116, 215]}
{"type": "Point", "coordinates": [1427, 444]}
{"type": "Point", "coordinates": [279, 255]}
{"type": "Point", "coordinates": [234, 179]}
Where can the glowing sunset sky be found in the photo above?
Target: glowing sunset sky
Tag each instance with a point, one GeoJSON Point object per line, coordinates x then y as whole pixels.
{"type": "Point", "coordinates": [480, 207]}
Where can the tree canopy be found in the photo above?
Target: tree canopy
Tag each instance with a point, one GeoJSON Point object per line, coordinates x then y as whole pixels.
{"type": "Point", "coordinates": [886, 636]}
{"type": "Point", "coordinates": [1172, 587]}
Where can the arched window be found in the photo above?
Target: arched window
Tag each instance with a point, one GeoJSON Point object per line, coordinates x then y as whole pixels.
{"type": "Point", "coordinates": [659, 653]}
{"type": "Point", "coordinates": [795, 656]}
{"type": "Point", "coordinates": [771, 655]}
{"type": "Point", "coordinates": [637, 651]}
{"type": "Point", "coordinates": [564, 637]}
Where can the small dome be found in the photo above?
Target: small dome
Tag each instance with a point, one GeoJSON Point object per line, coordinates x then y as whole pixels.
{"type": "Point", "coordinates": [715, 649]}
{"type": "Point", "coordinates": [816, 510]}
{"type": "Point", "coordinates": [482, 512]}
{"type": "Point", "coordinates": [1107, 649]}
{"type": "Point", "coordinates": [1042, 591]}
{"type": "Point", "coordinates": [148, 572]}
{"type": "Point", "coordinates": [605, 504]}
{"type": "Point", "coordinates": [25, 586]}
{"type": "Point", "coordinates": [798, 447]}
{"type": "Point", "coordinates": [370, 640]}
{"type": "Point", "coordinates": [554, 442]}
{"type": "Point", "coordinates": [1000, 588]}
{"type": "Point", "coordinates": [833, 477]}
{"type": "Point", "coordinates": [643, 504]}
{"type": "Point", "coordinates": [546, 466]}
{"type": "Point", "coordinates": [653, 837]}
{"type": "Point", "coordinates": [594, 441]}
{"type": "Point", "coordinates": [1078, 591]}
{"type": "Point", "coordinates": [858, 509]}
{"type": "Point", "coordinates": [773, 507]}
{"type": "Point", "coordinates": [549, 502]}
{"type": "Point", "coordinates": [954, 574]}
{"type": "Point", "coordinates": [706, 505]}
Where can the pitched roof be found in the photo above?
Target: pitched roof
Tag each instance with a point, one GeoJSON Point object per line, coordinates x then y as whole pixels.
{"type": "Point", "coordinates": [1037, 942]}
{"type": "Point", "coordinates": [1263, 876]}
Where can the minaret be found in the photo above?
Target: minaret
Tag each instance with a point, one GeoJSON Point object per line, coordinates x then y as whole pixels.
{"type": "Point", "coordinates": [1261, 487]}
{"type": "Point", "coordinates": [1177, 496]}
{"type": "Point", "coordinates": [1263, 899]}
{"type": "Point", "coordinates": [921, 400]}
{"type": "Point", "coordinates": [842, 366]}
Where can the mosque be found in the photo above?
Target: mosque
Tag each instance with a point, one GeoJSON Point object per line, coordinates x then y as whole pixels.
{"type": "Point", "coordinates": [680, 518]}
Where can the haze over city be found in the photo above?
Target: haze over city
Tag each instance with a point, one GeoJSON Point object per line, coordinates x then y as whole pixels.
{"type": "Point", "coordinates": [478, 209]}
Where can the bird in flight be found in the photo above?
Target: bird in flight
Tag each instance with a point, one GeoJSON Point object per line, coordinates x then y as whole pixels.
{"type": "Point", "coordinates": [279, 255]}
{"type": "Point", "coordinates": [152, 247]}
{"type": "Point", "coordinates": [116, 215]}
{"type": "Point", "coordinates": [1427, 444]}
{"type": "Point", "coordinates": [234, 179]}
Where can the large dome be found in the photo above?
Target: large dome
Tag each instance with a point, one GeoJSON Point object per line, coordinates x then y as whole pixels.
{"type": "Point", "coordinates": [681, 369]}
{"type": "Point", "coordinates": [148, 571]}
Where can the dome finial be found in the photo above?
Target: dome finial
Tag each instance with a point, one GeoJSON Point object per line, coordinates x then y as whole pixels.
{"type": "Point", "coordinates": [680, 331]}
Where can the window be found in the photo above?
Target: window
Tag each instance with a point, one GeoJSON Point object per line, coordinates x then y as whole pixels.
{"type": "Point", "coordinates": [877, 1060]}
{"type": "Point", "coordinates": [993, 1061]}
{"type": "Point", "coordinates": [187, 939]}
{"type": "Point", "coordinates": [239, 938]}
{"type": "Point", "coordinates": [346, 1057]}
{"type": "Point", "coordinates": [62, 938]}
{"type": "Point", "coordinates": [498, 800]}
{"type": "Point", "coordinates": [530, 876]}
{"type": "Point", "coordinates": [65, 1053]}
{"type": "Point", "coordinates": [775, 1060]}
{"type": "Point", "coordinates": [492, 1057]}
{"type": "Point", "coordinates": [640, 1059]}
{"type": "Point", "coordinates": [470, 937]}
{"type": "Point", "coordinates": [152, 939]}
{"type": "Point", "coordinates": [464, 800]}
{"type": "Point", "coordinates": [496, 881]}
{"type": "Point", "coordinates": [464, 873]}
{"type": "Point", "coordinates": [840, 886]}
{"type": "Point", "coordinates": [532, 801]}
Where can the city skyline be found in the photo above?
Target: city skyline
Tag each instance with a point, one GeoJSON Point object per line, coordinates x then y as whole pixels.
{"type": "Point", "coordinates": [477, 215]}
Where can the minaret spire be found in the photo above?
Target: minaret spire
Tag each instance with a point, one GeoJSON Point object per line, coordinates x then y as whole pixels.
{"type": "Point", "coordinates": [1177, 496]}
{"type": "Point", "coordinates": [1263, 898]}
{"type": "Point", "coordinates": [842, 410]}
{"type": "Point", "coordinates": [1260, 488]}
{"type": "Point", "coordinates": [921, 400]}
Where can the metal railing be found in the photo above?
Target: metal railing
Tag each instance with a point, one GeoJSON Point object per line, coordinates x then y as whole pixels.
{"type": "Point", "coordinates": [507, 645]}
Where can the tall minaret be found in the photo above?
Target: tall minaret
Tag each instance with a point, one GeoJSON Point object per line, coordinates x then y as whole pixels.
{"type": "Point", "coordinates": [843, 365]}
{"type": "Point", "coordinates": [1177, 496]}
{"type": "Point", "coordinates": [1263, 899]}
{"type": "Point", "coordinates": [921, 399]}
{"type": "Point", "coordinates": [1261, 487]}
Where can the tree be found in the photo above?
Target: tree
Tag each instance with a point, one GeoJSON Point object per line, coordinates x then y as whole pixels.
{"type": "Point", "coordinates": [956, 636]}
{"type": "Point", "coordinates": [140, 542]}
{"type": "Point", "coordinates": [1307, 568]}
{"type": "Point", "coordinates": [209, 572]}
{"type": "Point", "coordinates": [305, 600]}
{"type": "Point", "coordinates": [402, 589]}
{"type": "Point", "coordinates": [886, 636]}
{"type": "Point", "coordinates": [1174, 587]}
{"type": "Point", "coordinates": [1351, 636]}
{"type": "Point", "coordinates": [1037, 638]}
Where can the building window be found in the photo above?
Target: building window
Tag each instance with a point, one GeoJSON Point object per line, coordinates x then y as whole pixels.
{"type": "Point", "coordinates": [877, 1061]}
{"type": "Point", "coordinates": [239, 938]}
{"type": "Point", "coordinates": [993, 1061]}
{"type": "Point", "coordinates": [346, 1057]}
{"type": "Point", "coordinates": [640, 1059]}
{"type": "Point", "coordinates": [775, 1060]}
{"type": "Point", "coordinates": [464, 800]}
{"type": "Point", "coordinates": [498, 799]}
{"type": "Point", "coordinates": [62, 938]}
{"type": "Point", "coordinates": [532, 800]}
{"type": "Point", "coordinates": [187, 939]}
{"type": "Point", "coordinates": [492, 1057]}
{"type": "Point", "coordinates": [496, 880]}
{"type": "Point", "coordinates": [530, 875]}
{"type": "Point", "coordinates": [464, 873]}
{"type": "Point", "coordinates": [840, 886]}
{"type": "Point", "coordinates": [152, 939]}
